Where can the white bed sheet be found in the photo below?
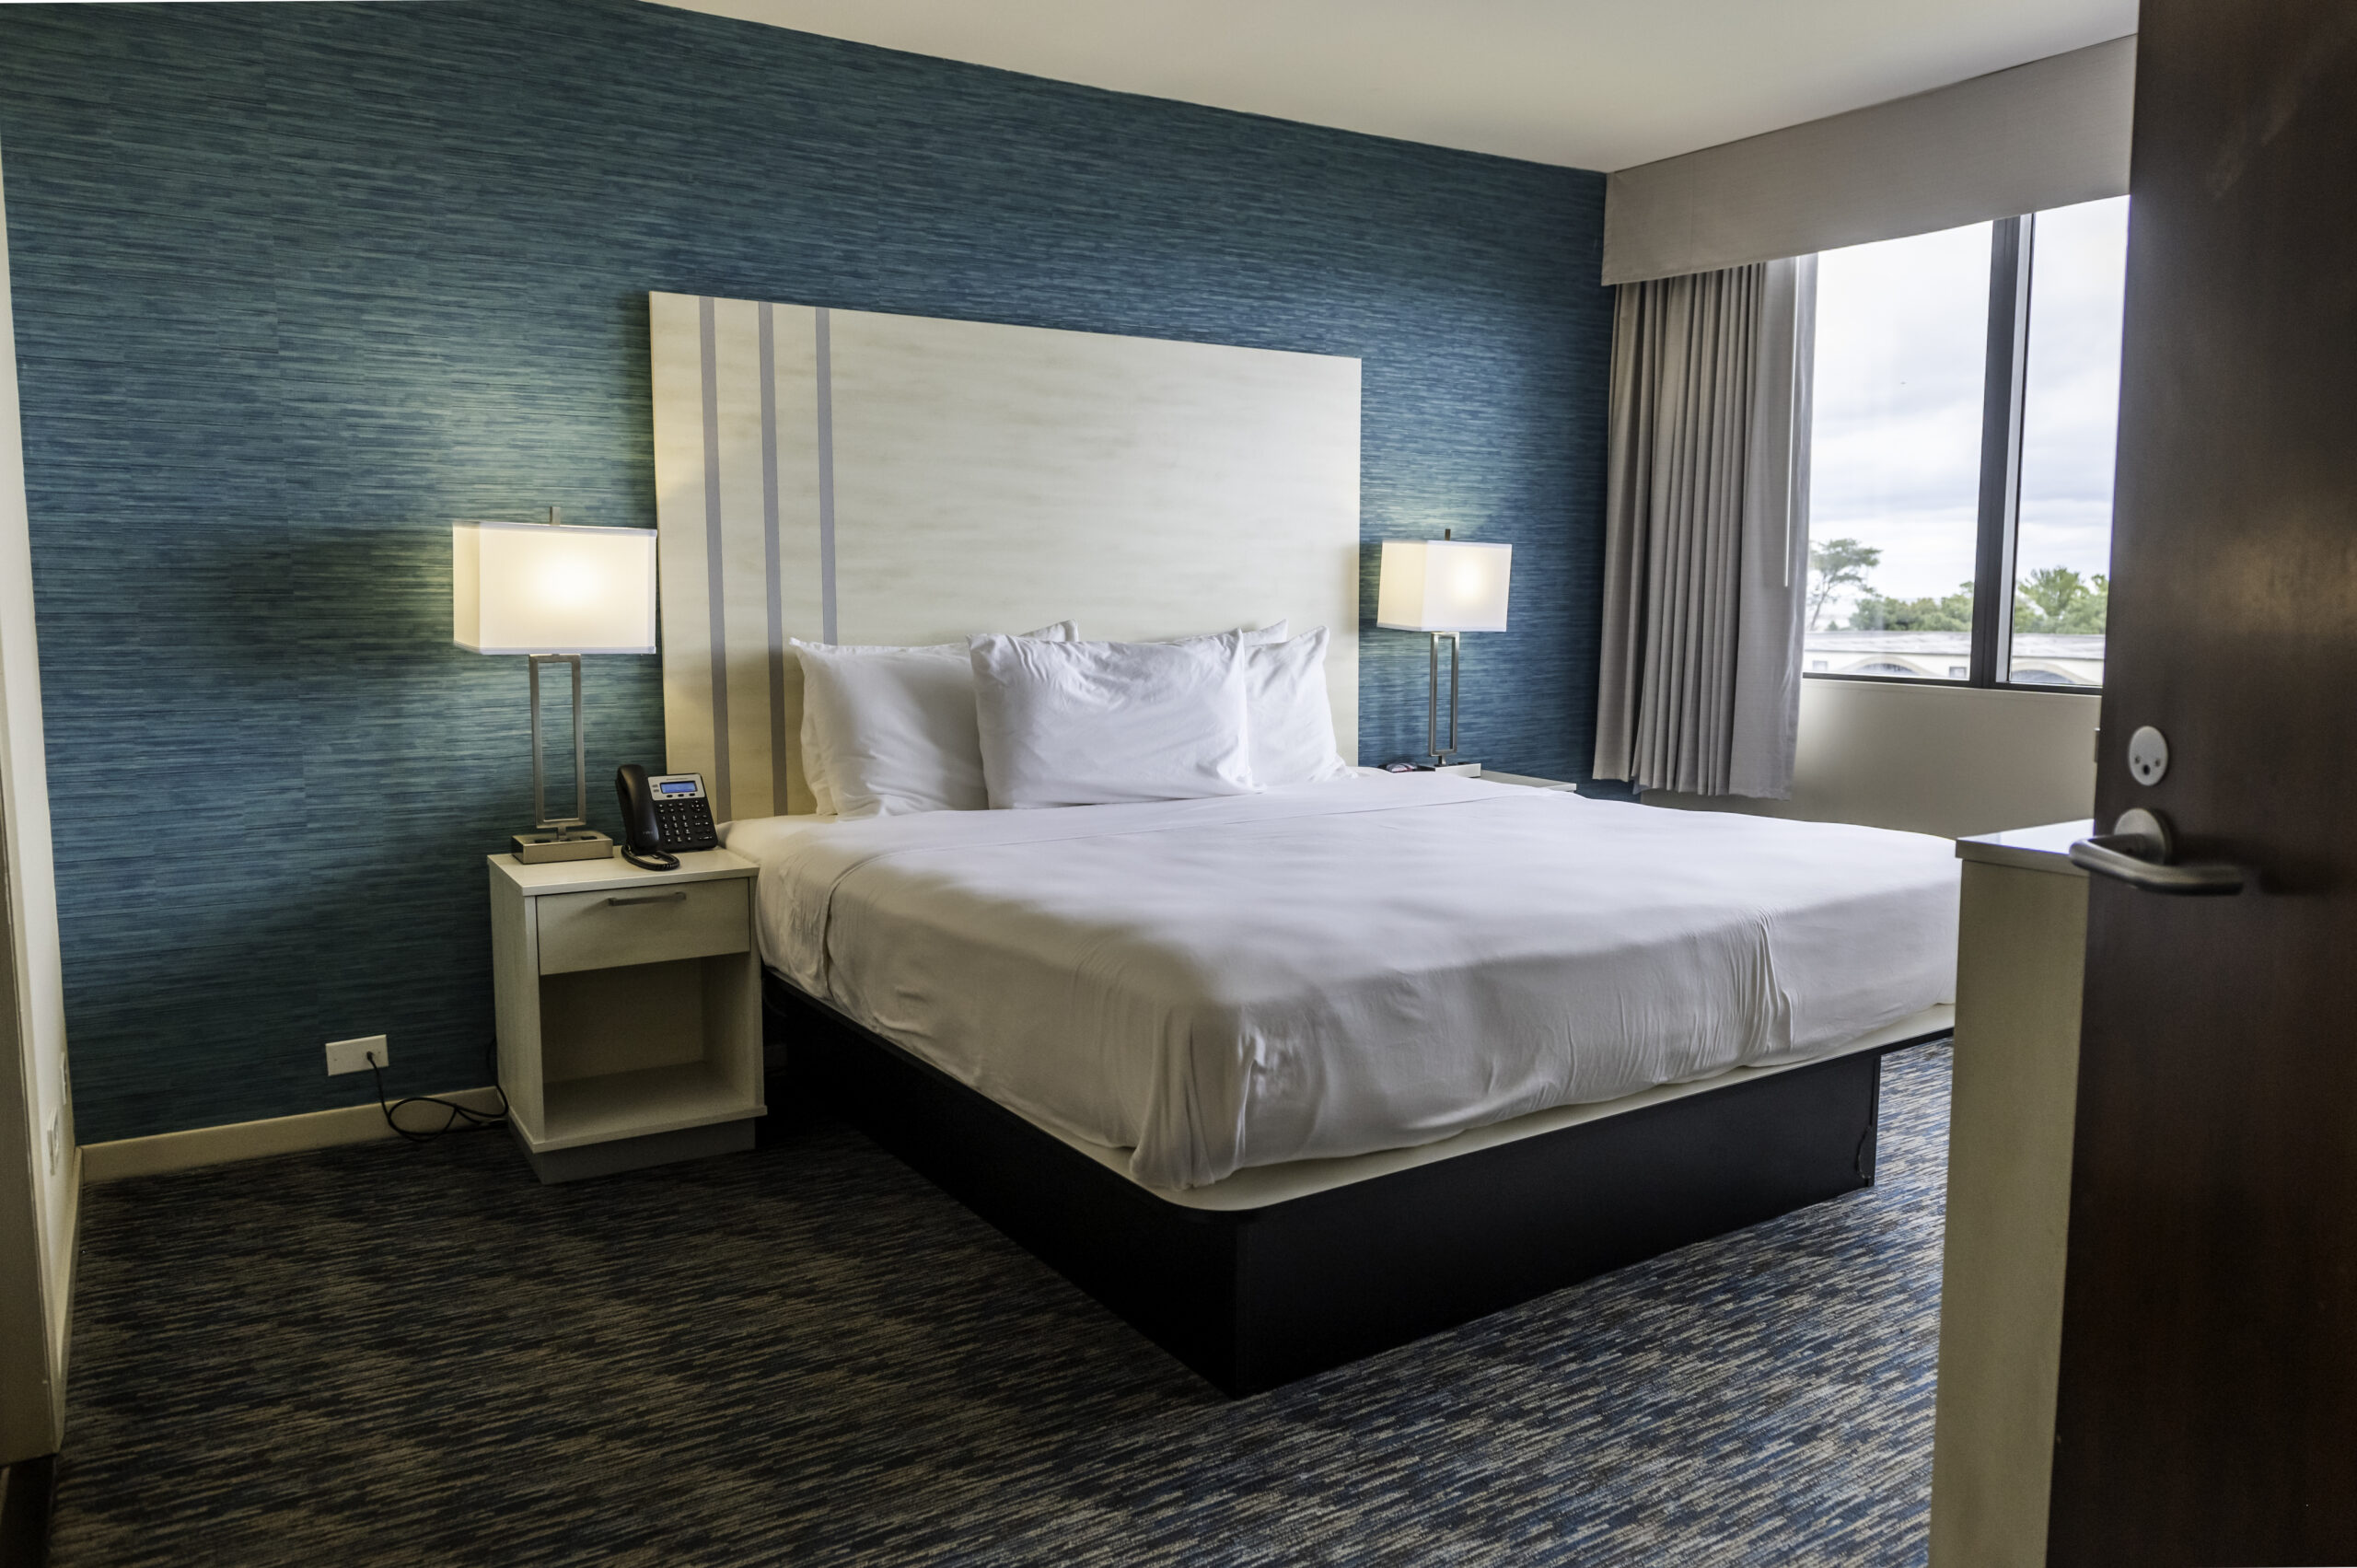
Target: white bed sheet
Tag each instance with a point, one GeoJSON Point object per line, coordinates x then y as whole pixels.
{"type": "Point", "coordinates": [1339, 968]}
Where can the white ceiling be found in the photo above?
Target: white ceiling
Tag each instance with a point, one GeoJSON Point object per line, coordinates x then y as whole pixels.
{"type": "Point", "coordinates": [1594, 83]}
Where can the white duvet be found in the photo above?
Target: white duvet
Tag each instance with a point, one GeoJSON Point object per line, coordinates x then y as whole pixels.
{"type": "Point", "coordinates": [1346, 966]}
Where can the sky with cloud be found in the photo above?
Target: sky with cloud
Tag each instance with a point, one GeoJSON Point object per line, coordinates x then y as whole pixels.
{"type": "Point", "coordinates": [1901, 330]}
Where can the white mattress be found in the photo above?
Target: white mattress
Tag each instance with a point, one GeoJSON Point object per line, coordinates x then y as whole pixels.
{"type": "Point", "coordinates": [1341, 968]}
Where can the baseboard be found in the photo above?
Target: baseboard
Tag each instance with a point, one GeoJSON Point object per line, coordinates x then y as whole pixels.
{"type": "Point", "coordinates": [199, 1146]}
{"type": "Point", "coordinates": [26, 1490]}
{"type": "Point", "coordinates": [73, 1175]}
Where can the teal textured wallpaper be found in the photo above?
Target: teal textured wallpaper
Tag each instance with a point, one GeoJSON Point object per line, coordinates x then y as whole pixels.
{"type": "Point", "coordinates": [295, 286]}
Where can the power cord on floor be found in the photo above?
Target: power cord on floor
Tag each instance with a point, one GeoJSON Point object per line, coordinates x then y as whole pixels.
{"type": "Point", "coordinates": [472, 1120]}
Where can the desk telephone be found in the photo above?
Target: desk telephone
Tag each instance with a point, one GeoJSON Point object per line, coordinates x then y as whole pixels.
{"type": "Point", "coordinates": [662, 814]}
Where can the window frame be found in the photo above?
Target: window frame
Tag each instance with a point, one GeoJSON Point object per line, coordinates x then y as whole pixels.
{"type": "Point", "coordinates": [2004, 396]}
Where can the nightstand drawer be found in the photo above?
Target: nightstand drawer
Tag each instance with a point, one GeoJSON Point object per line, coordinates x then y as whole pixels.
{"type": "Point", "coordinates": [649, 925]}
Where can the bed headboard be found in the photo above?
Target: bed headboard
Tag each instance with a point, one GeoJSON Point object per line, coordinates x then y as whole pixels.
{"type": "Point", "coordinates": [843, 476]}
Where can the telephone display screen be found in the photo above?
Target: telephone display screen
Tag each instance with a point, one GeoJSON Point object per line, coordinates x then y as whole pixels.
{"type": "Point", "coordinates": [677, 786]}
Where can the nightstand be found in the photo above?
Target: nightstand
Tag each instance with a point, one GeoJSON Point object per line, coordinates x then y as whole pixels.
{"type": "Point", "coordinates": [1528, 782]}
{"type": "Point", "coordinates": [630, 1010]}
{"type": "Point", "coordinates": [1473, 770]}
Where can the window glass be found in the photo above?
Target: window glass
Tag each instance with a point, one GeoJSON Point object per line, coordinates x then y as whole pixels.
{"type": "Point", "coordinates": [1895, 458]}
{"type": "Point", "coordinates": [2069, 426]}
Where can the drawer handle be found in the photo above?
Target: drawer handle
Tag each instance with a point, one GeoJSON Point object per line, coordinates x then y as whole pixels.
{"type": "Point", "coordinates": [677, 898]}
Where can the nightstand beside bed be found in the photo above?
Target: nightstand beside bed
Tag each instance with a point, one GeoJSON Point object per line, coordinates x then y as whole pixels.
{"type": "Point", "coordinates": [629, 1010]}
{"type": "Point", "coordinates": [1475, 771]}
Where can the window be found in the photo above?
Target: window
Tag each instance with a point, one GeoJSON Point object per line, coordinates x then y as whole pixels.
{"type": "Point", "coordinates": [1966, 403]}
{"type": "Point", "coordinates": [1895, 453]}
{"type": "Point", "coordinates": [2069, 426]}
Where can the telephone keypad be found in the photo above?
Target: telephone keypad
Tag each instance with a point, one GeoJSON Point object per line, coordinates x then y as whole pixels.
{"type": "Point", "coordinates": [686, 824]}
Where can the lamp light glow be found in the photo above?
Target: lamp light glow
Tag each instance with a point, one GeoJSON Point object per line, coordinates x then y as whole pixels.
{"type": "Point", "coordinates": [543, 589]}
{"type": "Point", "coordinates": [1442, 584]}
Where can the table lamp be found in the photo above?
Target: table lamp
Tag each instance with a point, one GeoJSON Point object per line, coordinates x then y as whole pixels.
{"type": "Point", "coordinates": [553, 593]}
{"type": "Point", "coordinates": [1445, 586]}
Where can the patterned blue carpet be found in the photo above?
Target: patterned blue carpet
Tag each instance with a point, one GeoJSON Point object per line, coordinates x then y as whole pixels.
{"type": "Point", "coordinates": [388, 1354]}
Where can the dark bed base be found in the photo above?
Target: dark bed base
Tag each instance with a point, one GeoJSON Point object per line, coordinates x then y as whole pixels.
{"type": "Point", "coordinates": [1253, 1299]}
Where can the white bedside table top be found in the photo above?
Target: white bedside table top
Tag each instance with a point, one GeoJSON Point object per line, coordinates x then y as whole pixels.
{"type": "Point", "coordinates": [1529, 781]}
{"type": "Point", "coordinates": [588, 876]}
{"type": "Point", "coordinates": [1475, 770]}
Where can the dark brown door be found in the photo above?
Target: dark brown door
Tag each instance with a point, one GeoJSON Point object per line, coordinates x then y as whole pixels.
{"type": "Point", "coordinates": [2208, 1404]}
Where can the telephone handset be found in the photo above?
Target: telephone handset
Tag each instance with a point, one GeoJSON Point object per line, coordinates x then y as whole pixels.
{"type": "Point", "coordinates": [662, 814]}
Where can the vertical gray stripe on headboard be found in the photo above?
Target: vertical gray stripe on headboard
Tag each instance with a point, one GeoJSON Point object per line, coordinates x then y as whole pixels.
{"type": "Point", "coordinates": [770, 559]}
{"type": "Point", "coordinates": [715, 558]}
{"type": "Point", "coordinates": [826, 479]}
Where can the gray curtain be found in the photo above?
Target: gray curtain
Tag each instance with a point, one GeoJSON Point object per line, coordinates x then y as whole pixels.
{"type": "Point", "coordinates": [1706, 530]}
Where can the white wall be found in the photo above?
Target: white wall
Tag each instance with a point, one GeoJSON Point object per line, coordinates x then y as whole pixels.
{"type": "Point", "coordinates": [37, 1196]}
{"type": "Point", "coordinates": [1944, 759]}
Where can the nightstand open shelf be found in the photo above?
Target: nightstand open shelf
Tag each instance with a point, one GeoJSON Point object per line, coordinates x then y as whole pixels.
{"type": "Point", "coordinates": [629, 1010]}
{"type": "Point", "coordinates": [635, 1104]}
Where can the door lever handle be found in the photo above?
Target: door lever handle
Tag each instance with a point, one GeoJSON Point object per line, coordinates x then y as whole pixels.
{"type": "Point", "coordinates": [2137, 851]}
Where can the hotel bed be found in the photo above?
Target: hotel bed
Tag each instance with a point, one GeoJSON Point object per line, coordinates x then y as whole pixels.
{"type": "Point", "coordinates": [1284, 1062]}
{"type": "Point", "coordinates": [1304, 1051]}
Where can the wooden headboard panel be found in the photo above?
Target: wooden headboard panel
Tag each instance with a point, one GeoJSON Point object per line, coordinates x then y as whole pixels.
{"type": "Point", "coordinates": [842, 476]}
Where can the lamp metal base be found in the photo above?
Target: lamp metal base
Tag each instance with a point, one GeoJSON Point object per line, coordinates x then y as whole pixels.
{"type": "Point", "coordinates": [533, 849]}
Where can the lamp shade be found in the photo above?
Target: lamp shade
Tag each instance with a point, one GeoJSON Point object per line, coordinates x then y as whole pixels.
{"type": "Point", "coordinates": [1443, 585]}
{"type": "Point", "coordinates": [541, 589]}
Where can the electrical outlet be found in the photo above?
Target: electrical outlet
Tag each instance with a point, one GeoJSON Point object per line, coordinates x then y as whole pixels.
{"type": "Point", "coordinates": [352, 1055]}
{"type": "Point", "coordinates": [56, 1139]}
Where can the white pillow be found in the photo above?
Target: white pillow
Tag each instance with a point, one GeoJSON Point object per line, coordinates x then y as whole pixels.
{"type": "Point", "coordinates": [1275, 632]}
{"type": "Point", "coordinates": [1097, 723]}
{"type": "Point", "coordinates": [1292, 723]}
{"type": "Point", "coordinates": [888, 730]}
{"type": "Point", "coordinates": [892, 730]}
